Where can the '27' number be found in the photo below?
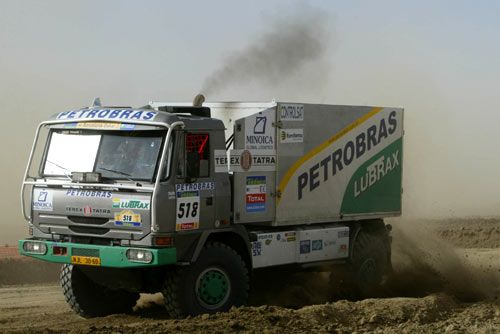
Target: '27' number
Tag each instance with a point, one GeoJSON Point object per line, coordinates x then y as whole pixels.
{"type": "Point", "coordinates": [187, 210]}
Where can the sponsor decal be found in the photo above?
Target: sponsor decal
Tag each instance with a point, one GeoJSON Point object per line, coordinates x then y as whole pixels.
{"type": "Point", "coordinates": [264, 236]}
{"type": "Point", "coordinates": [332, 163]}
{"type": "Point", "coordinates": [128, 218]}
{"type": "Point", "coordinates": [125, 114]}
{"type": "Point", "coordinates": [100, 125]}
{"type": "Point", "coordinates": [290, 236]}
{"type": "Point", "coordinates": [291, 136]}
{"type": "Point", "coordinates": [259, 131]}
{"type": "Point", "coordinates": [194, 186]}
{"type": "Point", "coordinates": [343, 234]}
{"type": "Point", "coordinates": [317, 245]}
{"type": "Point", "coordinates": [87, 210]}
{"type": "Point", "coordinates": [42, 199]}
{"type": "Point", "coordinates": [268, 241]}
{"type": "Point", "coordinates": [305, 246]}
{"type": "Point", "coordinates": [188, 209]}
{"type": "Point", "coordinates": [343, 248]}
{"type": "Point", "coordinates": [291, 112]}
{"type": "Point", "coordinates": [375, 172]}
{"type": "Point", "coordinates": [255, 197]}
{"type": "Point", "coordinates": [88, 193]}
{"type": "Point", "coordinates": [246, 160]}
{"type": "Point", "coordinates": [256, 248]}
{"type": "Point", "coordinates": [137, 204]}
{"type": "Point", "coordinates": [221, 161]}
{"type": "Point", "coordinates": [329, 243]}
{"type": "Point", "coordinates": [252, 160]}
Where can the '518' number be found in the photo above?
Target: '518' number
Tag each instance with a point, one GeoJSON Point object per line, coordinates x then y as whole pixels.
{"type": "Point", "coordinates": [187, 210]}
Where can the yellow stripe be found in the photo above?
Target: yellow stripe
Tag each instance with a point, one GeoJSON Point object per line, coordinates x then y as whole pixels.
{"type": "Point", "coordinates": [322, 146]}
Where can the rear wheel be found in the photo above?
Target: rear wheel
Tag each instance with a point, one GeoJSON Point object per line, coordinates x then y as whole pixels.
{"type": "Point", "coordinates": [89, 299]}
{"type": "Point", "coordinates": [363, 275]}
{"type": "Point", "coordinates": [214, 283]}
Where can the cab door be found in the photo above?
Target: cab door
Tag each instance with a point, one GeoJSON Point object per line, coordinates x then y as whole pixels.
{"type": "Point", "coordinates": [194, 185]}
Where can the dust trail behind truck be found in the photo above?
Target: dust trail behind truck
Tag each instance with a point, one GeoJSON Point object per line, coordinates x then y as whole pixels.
{"type": "Point", "coordinates": [190, 200]}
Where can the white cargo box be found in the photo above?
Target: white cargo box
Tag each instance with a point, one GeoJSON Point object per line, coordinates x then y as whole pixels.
{"type": "Point", "coordinates": [299, 163]}
{"type": "Point", "coordinates": [304, 164]}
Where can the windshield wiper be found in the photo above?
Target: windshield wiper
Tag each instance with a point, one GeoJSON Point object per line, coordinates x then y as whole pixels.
{"type": "Point", "coordinates": [117, 172]}
{"type": "Point", "coordinates": [68, 175]}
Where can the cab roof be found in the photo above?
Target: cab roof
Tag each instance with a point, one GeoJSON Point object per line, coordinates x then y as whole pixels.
{"type": "Point", "coordinates": [144, 116]}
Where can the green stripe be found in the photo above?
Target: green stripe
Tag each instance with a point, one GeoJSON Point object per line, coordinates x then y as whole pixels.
{"type": "Point", "coordinates": [111, 256]}
{"type": "Point", "coordinates": [381, 193]}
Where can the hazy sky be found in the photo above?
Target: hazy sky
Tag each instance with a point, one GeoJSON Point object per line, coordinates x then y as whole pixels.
{"type": "Point", "coordinates": [439, 60]}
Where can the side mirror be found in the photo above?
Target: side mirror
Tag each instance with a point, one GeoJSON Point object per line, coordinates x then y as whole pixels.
{"type": "Point", "coordinates": [192, 165]}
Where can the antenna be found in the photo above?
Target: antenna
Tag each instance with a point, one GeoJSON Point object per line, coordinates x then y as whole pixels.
{"type": "Point", "coordinates": [97, 102]}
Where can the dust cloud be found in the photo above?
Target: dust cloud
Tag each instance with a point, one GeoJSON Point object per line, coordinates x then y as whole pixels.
{"type": "Point", "coordinates": [425, 263]}
{"type": "Point", "coordinates": [293, 41]}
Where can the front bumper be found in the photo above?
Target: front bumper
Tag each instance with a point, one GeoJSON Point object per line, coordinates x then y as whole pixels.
{"type": "Point", "coordinates": [110, 256]}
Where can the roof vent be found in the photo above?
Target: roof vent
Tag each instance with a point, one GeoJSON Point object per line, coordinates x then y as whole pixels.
{"type": "Point", "coordinates": [195, 111]}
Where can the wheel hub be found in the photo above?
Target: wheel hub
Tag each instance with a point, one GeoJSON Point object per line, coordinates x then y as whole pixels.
{"type": "Point", "coordinates": [368, 272]}
{"type": "Point", "coordinates": [212, 288]}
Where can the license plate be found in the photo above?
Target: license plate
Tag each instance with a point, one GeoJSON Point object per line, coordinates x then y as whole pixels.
{"type": "Point", "coordinates": [86, 260]}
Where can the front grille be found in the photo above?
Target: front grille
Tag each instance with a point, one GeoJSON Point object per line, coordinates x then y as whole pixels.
{"type": "Point", "coordinates": [85, 252]}
{"type": "Point", "coordinates": [89, 230]}
{"type": "Point", "coordinates": [91, 240]}
{"type": "Point", "coordinates": [88, 220]}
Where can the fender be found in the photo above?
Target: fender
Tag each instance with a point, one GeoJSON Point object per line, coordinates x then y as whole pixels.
{"type": "Point", "coordinates": [240, 242]}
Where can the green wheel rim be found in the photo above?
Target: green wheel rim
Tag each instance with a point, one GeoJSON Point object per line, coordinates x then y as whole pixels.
{"type": "Point", "coordinates": [212, 288]}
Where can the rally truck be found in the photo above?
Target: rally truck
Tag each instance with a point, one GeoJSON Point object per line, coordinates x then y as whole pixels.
{"type": "Point", "coordinates": [191, 200]}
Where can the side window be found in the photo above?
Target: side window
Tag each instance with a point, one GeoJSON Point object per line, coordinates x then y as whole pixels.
{"type": "Point", "coordinates": [200, 143]}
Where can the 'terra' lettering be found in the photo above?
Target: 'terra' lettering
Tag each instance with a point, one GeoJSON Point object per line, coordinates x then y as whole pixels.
{"type": "Point", "coordinates": [336, 161]}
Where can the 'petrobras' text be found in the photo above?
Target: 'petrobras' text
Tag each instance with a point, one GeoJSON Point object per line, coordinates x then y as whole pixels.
{"type": "Point", "coordinates": [129, 114]}
{"type": "Point", "coordinates": [88, 193]}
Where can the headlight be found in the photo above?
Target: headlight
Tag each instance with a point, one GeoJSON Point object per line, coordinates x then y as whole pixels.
{"type": "Point", "coordinates": [139, 255]}
{"type": "Point", "coordinates": [34, 247]}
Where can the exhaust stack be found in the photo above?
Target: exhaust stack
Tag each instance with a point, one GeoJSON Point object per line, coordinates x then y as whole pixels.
{"type": "Point", "coordinates": [198, 100]}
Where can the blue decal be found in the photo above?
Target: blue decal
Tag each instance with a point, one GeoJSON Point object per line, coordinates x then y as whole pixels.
{"type": "Point", "coordinates": [305, 246]}
{"type": "Point", "coordinates": [125, 126]}
{"type": "Point", "coordinates": [256, 248]}
{"type": "Point", "coordinates": [255, 197]}
{"type": "Point", "coordinates": [127, 224]}
{"type": "Point", "coordinates": [195, 186]}
{"type": "Point", "coordinates": [317, 245]}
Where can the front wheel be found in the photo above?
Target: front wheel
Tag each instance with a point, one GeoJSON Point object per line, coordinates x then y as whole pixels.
{"type": "Point", "coordinates": [89, 299]}
{"type": "Point", "coordinates": [214, 283]}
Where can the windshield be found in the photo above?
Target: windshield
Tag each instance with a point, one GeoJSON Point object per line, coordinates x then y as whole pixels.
{"type": "Point", "coordinates": [116, 155]}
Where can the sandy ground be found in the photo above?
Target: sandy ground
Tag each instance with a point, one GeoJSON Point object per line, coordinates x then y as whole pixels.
{"type": "Point", "coordinates": [436, 287]}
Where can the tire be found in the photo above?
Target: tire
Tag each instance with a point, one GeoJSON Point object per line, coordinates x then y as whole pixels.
{"type": "Point", "coordinates": [217, 281]}
{"type": "Point", "coordinates": [363, 275]}
{"type": "Point", "coordinates": [89, 299]}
